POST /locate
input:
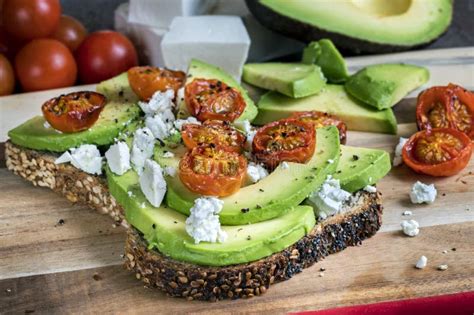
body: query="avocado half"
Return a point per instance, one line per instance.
(358, 25)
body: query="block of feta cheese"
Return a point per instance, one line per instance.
(219, 40)
(160, 13)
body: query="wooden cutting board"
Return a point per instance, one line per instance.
(75, 267)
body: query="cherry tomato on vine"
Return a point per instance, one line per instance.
(145, 81)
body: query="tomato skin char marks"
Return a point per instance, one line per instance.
(446, 107)
(321, 119)
(437, 152)
(213, 100)
(146, 81)
(74, 112)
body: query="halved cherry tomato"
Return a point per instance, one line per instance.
(216, 132)
(75, 111)
(212, 171)
(321, 119)
(145, 81)
(437, 152)
(213, 100)
(446, 107)
(290, 140)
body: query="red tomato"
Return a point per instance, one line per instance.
(104, 54)
(70, 32)
(45, 64)
(213, 100)
(9, 45)
(290, 140)
(212, 171)
(321, 119)
(7, 77)
(145, 81)
(213, 132)
(74, 112)
(29, 19)
(437, 151)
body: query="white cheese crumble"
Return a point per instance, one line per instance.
(330, 161)
(407, 213)
(142, 148)
(248, 130)
(152, 183)
(421, 263)
(168, 155)
(129, 193)
(46, 125)
(180, 94)
(203, 224)
(422, 193)
(443, 267)
(118, 158)
(328, 200)
(256, 172)
(86, 157)
(285, 165)
(160, 125)
(410, 227)
(397, 158)
(178, 124)
(170, 171)
(159, 103)
(370, 189)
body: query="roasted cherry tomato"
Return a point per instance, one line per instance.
(446, 107)
(437, 152)
(215, 132)
(321, 119)
(145, 81)
(213, 100)
(74, 112)
(212, 170)
(290, 140)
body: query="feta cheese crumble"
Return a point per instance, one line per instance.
(330, 161)
(160, 125)
(178, 123)
(86, 157)
(370, 189)
(410, 227)
(203, 224)
(256, 172)
(285, 165)
(152, 183)
(168, 155)
(248, 130)
(46, 125)
(170, 171)
(160, 102)
(407, 213)
(118, 158)
(397, 158)
(443, 267)
(329, 199)
(422, 193)
(142, 148)
(421, 263)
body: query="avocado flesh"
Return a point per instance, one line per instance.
(359, 167)
(118, 89)
(244, 244)
(333, 99)
(112, 120)
(360, 26)
(292, 79)
(269, 198)
(201, 70)
(324, 54)
(384, 85)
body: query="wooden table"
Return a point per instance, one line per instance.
(75, 267)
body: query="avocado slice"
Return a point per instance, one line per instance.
(265, 199)
(114, 118)
(200, 69)
(164, 229)
(384, 85)
(359, 26)
(324, 54)
(333, 99)
(359, 167)
(118, 89)
(292, 79)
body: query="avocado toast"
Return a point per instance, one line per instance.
(272, 229)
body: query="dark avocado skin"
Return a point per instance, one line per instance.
(307, 33)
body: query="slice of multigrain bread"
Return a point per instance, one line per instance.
(361, 220)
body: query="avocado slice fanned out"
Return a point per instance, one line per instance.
(333, 99)
(272, 196)
(360, 26)
(164, 229)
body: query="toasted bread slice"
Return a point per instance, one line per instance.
(361, 219)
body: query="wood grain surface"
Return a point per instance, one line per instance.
(75, 267)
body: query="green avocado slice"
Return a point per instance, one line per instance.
(112, 120)
(118, 89)
(292, 79)
(272, 196)
(324, 54)
(164, 229)
(200, 69)
(333, 99)
(384, 85)
(359, 167)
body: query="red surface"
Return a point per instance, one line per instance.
(455, 304)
